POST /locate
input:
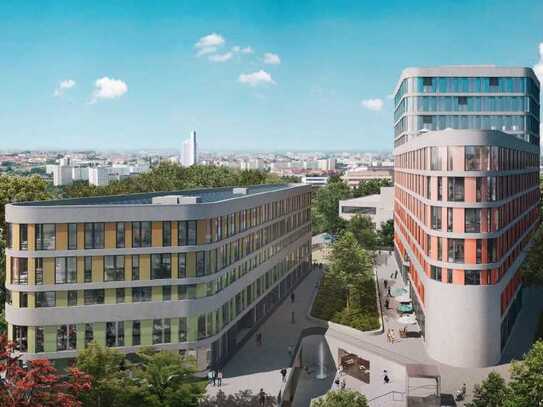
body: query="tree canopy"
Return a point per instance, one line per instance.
(341, 398)
(370, 187)
(325, 210)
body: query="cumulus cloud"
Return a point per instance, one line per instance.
(220, 57)
(63, 86)
(271, 59)
(108, 88)
(538, 68)
(372, 104)
(256, 78)
(208, 44)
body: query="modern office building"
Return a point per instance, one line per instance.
(378, 207)
(466, 202)
(189, 155)
(194, 271)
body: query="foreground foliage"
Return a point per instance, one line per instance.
(347, 290)
(244, 398)
(525, 388)
(39, 384)
(341, 398)
(154, 379)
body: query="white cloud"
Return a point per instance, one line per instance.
(256, 78)
(63, 86)
(108, 88)
(272, 59)
(220, 57)
(247, 50)
(208, 44)
(538, 68)
(372, 104)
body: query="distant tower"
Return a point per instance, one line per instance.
(189, 154)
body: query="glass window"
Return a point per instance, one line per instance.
(45, 236)
(114, 334)
(158, 331)
(141, 234)
(166, 293)
(119, 235)
(92, 297)
(166, 234)
(19, 270)
(200, 264)
(455, 250)
(191, 234)
(472, 277)
(449, 276)
(202, 327)
(141, 294)
(435, 273)
(94, 236)
(450, 219)
(72, 236)
(472, 218)
(135, 267)
(40, 339)
(455, 189)
(89, 334)
(38, 267)
(20, 337)
(113, 268)
(136, 333)
(45, 299)
(119, 295)
(183, 329)
(161, 266)
(88, 269)
(72, 298)
(436, 217)
(23, 237)
(23, 300)
(65, 270)
(182, 265)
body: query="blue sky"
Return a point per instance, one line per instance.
(132, 77)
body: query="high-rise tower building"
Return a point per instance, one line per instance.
(466, 202)
(189, 155)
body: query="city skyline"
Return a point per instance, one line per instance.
(247, 78)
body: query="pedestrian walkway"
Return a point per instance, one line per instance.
(256, 367)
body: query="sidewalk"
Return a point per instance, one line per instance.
(253, 367)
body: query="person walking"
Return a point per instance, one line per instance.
(386, 303)
(385, 283)
(342, 383)
(284, 374)
(290, 350)
(386, 378)
(261, 398)
(219, 378)
(258, 339)
(210, 377)
(388, 292)
(292, 296)
(214, 375)
(396, 275)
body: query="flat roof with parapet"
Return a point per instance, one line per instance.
(205, 195)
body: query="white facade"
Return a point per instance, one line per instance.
(62, 175)
(315, 180)
(80, 173)
(189, 155)
(99, 176)
(379, 207)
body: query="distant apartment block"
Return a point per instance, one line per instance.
(378, 207)
(466, 202)
(193, 271)
(356, 176)
(315, 180)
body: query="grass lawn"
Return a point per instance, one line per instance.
(330, 304)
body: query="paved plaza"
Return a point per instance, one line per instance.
(254, 367)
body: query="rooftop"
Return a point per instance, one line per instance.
(206, 195)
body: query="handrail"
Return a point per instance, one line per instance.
(386, 394)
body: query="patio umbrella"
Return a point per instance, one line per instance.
(397, 291)
(405, 308)
(407, 319)
(403, 298)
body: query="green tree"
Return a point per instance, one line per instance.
(532, 268)
(370, 187)
(351, 264)
(168, 380)
(386, 234)
(363, 230)
(527, 379)
(325, 210)
(492, 392)
(341, 398)
(110, 385)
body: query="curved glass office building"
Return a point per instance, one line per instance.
(466, 202)
(194, 271)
